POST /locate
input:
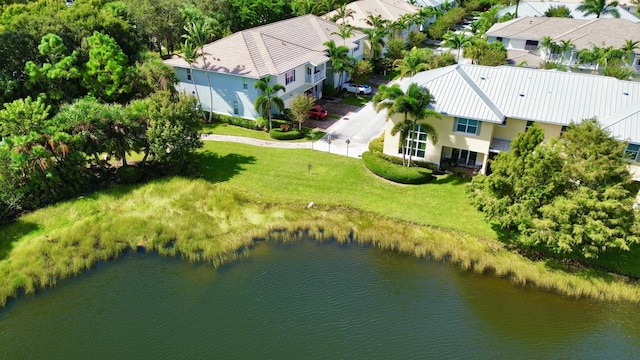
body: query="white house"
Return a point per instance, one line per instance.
(292, 51)
(483, 108)
(539, 8)
(522, 37)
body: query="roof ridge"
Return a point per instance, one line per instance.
(490, 104)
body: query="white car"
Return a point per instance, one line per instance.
(356, 89)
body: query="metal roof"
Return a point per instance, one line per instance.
(538, 8)
(271, 49)
(484, 93)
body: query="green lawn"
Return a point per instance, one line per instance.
(226, 129)
(356, 100)
(283, 175)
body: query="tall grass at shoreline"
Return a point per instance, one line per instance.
(203, 221)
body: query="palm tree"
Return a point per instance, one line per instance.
(550, 46)
(197, 32)
(629, 48)
(415, 103)
(377, 33)
(342, 13)
(269, 99)
(456, 41)
(345, 31)
(414, 61)
(190, 55)
(340, 60)
(599, 7)
(564, 46)
(303, 7)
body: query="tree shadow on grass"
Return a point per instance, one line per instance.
(11, 232)
(216, 168)
(450, 179)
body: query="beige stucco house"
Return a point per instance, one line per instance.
(483, 108)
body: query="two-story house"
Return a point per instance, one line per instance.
(291, 51)
(483, 109)
(524, 36)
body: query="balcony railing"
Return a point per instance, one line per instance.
(314, 78)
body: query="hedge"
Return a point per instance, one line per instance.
(236, 120)
(292, 134)
(396, 173)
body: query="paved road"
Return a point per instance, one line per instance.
(359, 127)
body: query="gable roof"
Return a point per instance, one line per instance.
(492, 94)
(390, 10)
(538, 8)
(271, 49)
(582, 33)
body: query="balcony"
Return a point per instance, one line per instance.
(315, 77)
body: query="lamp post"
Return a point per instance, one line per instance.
(313, 137)
(329, 141)
(348, 142)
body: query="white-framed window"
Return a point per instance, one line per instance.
(235, 107)
(188, 74)
(467, 126)
(289, 77)
(631, 152)
(416, 144)
(244, 84)
(531, 45)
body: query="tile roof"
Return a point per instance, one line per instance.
(390, 10)
(271, 49)
(538, 8)
(582, 33)
(493, 93)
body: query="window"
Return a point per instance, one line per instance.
(467, 126)
(244, 84)
(188, 74)
(357, 46)
(499, 38)
(235, 107)
(289, 77)
(531, 45)
(631, 152)
(416, 145)
(563, 130)
(529, 124)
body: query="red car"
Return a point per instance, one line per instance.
(318, 113)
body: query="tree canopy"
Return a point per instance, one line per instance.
(571, 196)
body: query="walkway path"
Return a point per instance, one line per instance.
(359, 127)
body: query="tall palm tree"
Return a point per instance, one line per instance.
(550, 46)
(456, 41)
(190, 55)
(345, 31)
(599, 7)
(377, 33)
(629, 48)
(342, 13)
(197, 32)
(340, 60)
(564, 46)
(413, 104)
(269, 98)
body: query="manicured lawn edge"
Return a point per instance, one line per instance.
(198, 221)
(396, 173)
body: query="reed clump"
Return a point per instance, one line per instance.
(202, 222)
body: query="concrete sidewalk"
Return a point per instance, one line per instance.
(359, 127)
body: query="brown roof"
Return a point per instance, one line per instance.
(271, 49)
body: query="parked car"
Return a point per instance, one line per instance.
(356, 89)
(318, 112)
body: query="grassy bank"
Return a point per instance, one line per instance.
(250, 193)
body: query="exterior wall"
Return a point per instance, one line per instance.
(227, 90)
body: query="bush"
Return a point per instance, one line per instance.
(129, 174)
(237, 121)
(396, 173)
(377, 145)
(292, 134)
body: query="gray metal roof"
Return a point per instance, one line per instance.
(484, 93)
(538, 8)
(271, 49)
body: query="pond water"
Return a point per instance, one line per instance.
(307, 300)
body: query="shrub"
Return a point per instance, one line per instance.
(396, 173)
(278, 134)
(237, 121)
(377, 144)
(129, 174)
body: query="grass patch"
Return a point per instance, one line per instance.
(218, 217)
(334, 116)
(226, 129)
(356, 100)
